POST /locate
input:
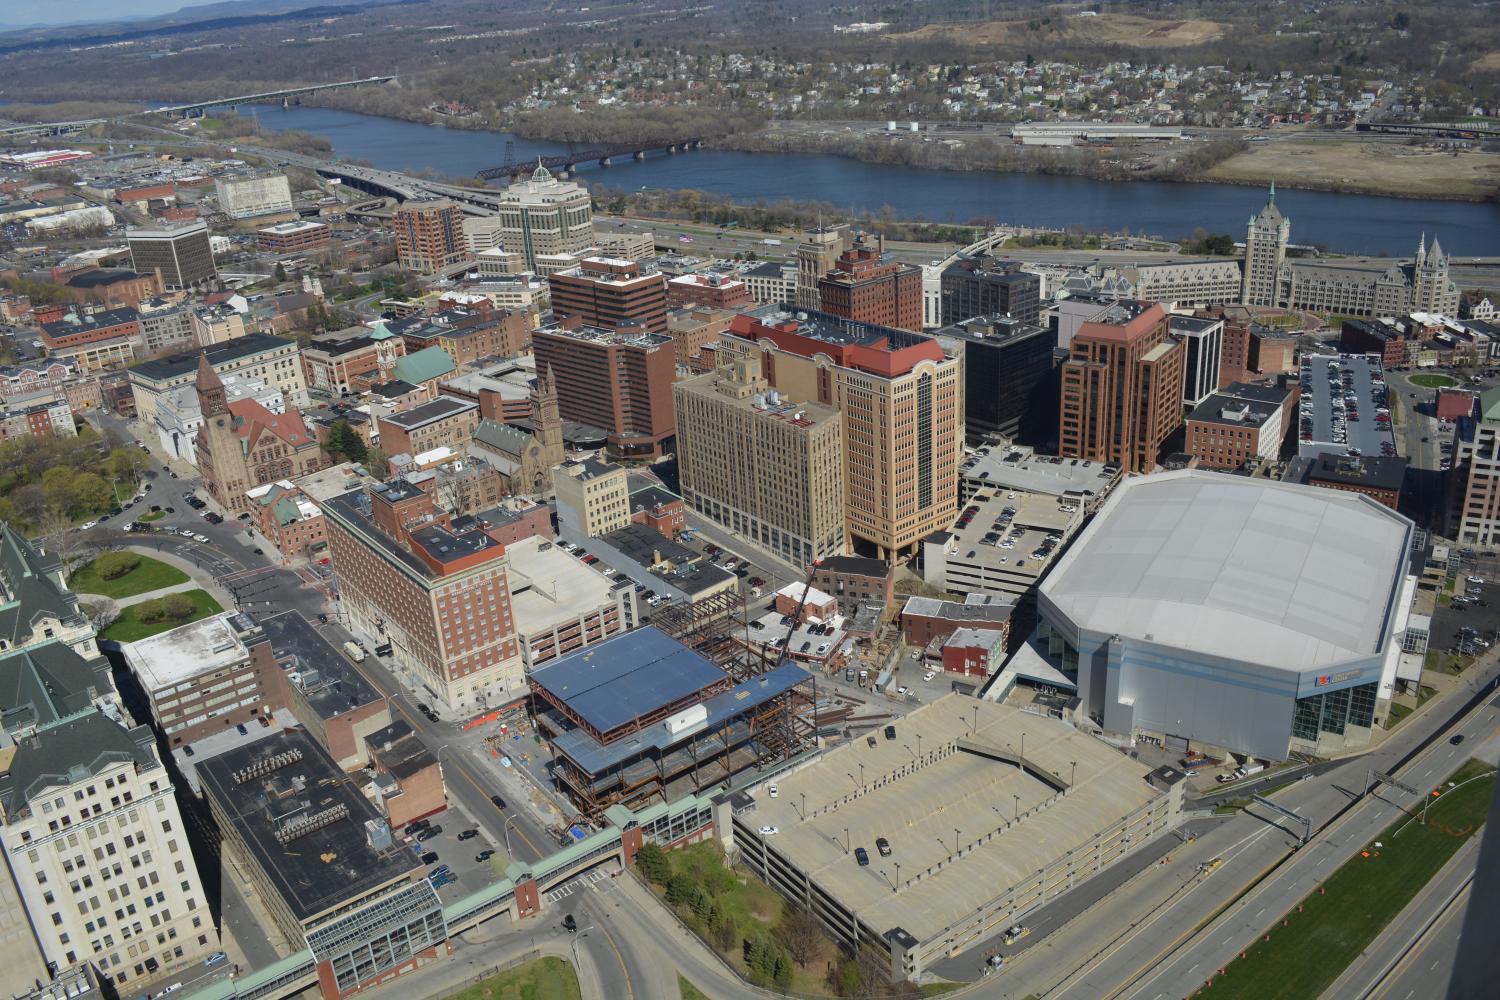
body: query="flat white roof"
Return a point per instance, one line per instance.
(185, 652)
(550, 587)
(814, 595)
(1290, 577)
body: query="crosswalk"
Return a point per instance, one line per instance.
(588, 880)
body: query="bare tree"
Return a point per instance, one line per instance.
(803, 937)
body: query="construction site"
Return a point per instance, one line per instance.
(680, 707)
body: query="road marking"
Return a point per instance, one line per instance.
(629, 988)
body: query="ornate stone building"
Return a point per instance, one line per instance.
(524, 457)
(242, 444)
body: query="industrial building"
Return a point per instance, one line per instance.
(641, 717)
(985, 812)
(1258, 617)
(1002, 542)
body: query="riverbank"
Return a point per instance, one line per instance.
(1381, 169)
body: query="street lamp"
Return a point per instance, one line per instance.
(861, 775)
(1018, 807)
(1073, 774)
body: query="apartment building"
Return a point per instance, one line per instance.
(867, 289)
(694, 329)
(612, 293)
(1475, 479)
(620, 382)
(1237, 424)
(440, 596)
(900, 397)
(442, 422)
(293, 237)
(543, 216)
(429, 235)
(771, 282)
(593, 498)
(717, 291)
(1122, 387)
(207, 676)
(215, 325)
(768, 469)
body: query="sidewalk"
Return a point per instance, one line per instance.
(187, 566)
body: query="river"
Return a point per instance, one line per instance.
(1349, 223)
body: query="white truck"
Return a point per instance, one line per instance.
(354, 651)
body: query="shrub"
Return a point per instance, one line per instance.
(178, 606)
(113, 565)
(152, 611)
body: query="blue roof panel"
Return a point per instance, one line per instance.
(626, 676)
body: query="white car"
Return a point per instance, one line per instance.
(86, 525)
(929, 675)
(1476, 579)
(772, 790)
(766, 831)
(902, 689)
(200, 538)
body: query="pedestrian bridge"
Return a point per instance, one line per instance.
(519, 895)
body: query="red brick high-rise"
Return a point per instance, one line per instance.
(617, 380)
(862, 287)
(429, 235)
(1122, 388)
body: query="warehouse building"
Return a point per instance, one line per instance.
(922, 844)
(1258, 617)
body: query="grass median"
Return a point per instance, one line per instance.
(1432, 380)
(1310, 946)
(129, 627)
(545, 979)
(149, 574)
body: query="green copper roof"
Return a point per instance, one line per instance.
(428, 363)
(1489, 404)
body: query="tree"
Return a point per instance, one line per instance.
(113, 565)
(653, 863)
(345, 442)
(800, 933)
(178, 606)
(280, 273)
(378, 464)
(151, 611)
(679, 888)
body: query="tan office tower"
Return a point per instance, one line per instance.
(1265, 252)
(1122, 388)
(817, 254)
(901, 399)
(544, 216)
(766, 468)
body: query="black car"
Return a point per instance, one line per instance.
(422, 706)
(259, 552)
(484, 855)
(322, 619)
(569, 923)
(429, 833)
(417, 826)
(1456, 739)
(890, 732)
(883, 846)
(430, 858)
(467, 834)
(498, 802)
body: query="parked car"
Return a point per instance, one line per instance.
(767, 831)
(484, 855)
(468, 834)
(883, 846)
(429, 833)
(429, 858)
(862, 856)
(772, 790)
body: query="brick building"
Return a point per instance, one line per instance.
(436, 592)
(855, 581)
(1237, 424)
(863, 287)
(1377, 477)
(974, 652)
(619, 382)
(716, 291)
(351, 359)
(442, 422)
(1122, 388)
(611, 293)
(924, 619)
(693, 329)
(429, 235)
(408, 783)
(293, 237)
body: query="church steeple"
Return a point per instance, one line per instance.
(212, 397)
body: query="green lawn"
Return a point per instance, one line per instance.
(155, 515)
(545, 979)
(129, 628)
(1432, 380)
(1362, 896)
(688, 991)
(151, 574)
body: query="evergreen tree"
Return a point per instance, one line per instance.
(653, 863)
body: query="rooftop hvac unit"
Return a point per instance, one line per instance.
(685, 720)
(377, 834)
(303, 825)
(261, 768)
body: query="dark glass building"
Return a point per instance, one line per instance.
(1008, 376)
(988, 286)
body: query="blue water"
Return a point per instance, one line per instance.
(1350, 223)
